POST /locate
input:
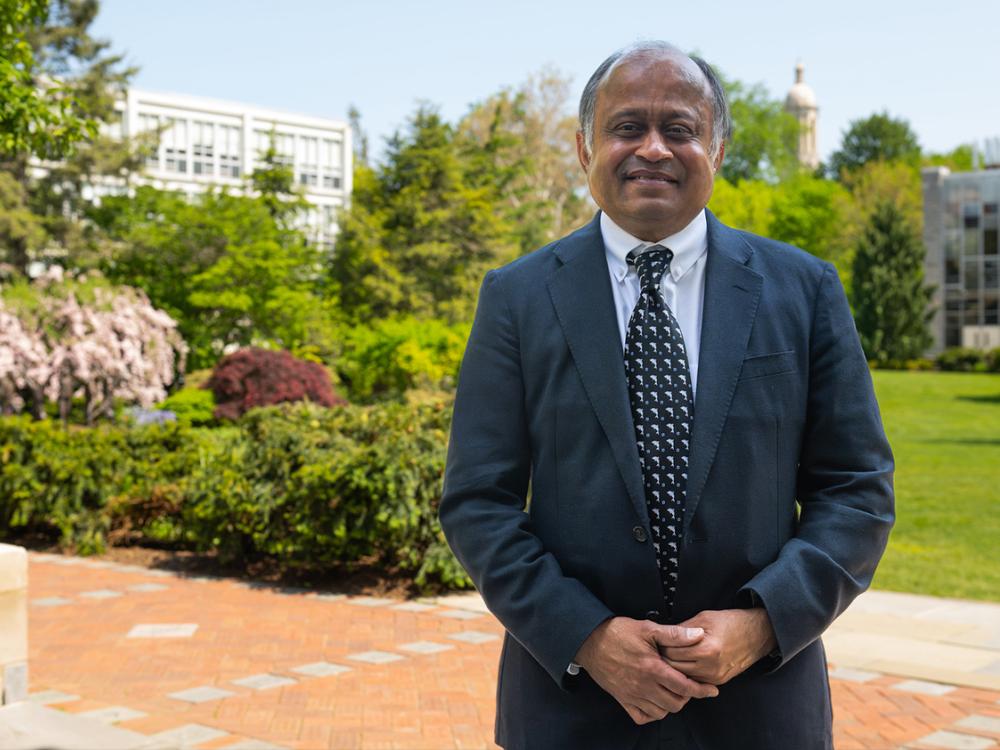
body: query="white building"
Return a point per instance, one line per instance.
(801, 103)
(210, 142)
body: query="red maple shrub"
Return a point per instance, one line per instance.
(261, 377)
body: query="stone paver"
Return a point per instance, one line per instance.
(425, 698)
(922, 686)
(165, 630)
(264, 681)
(954, 741)
(376, 657)
(425, 647)
(321, 669)
(201, 694)
(112, 714)
(101, 594)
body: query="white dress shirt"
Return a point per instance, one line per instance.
(683, 289)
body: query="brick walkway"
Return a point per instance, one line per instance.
(312, 672)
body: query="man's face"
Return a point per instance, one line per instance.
(650, 168)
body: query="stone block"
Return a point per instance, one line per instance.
(13, 623)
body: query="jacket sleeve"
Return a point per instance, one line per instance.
(844, 486)
(485, 493)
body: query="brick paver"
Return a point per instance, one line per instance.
(438, 694)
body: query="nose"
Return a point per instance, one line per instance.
(653, 147)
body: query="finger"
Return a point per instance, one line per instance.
(683, 653)
(637, 714)
(677, 682)
(675, 635)
(695, 671)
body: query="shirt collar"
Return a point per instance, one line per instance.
(687, 245)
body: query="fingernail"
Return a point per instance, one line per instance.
(693, 632)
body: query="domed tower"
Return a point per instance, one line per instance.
(801, 102)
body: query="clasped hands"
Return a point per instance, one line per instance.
(653, 670)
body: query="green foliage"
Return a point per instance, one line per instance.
(420, 232)
(959, 159)
(944, 428)
(193, 406)
(962, 359)
(878, 137)
(309, 487)
(805, 211)
(889, 297)
(765, 141)
(390, 357)
(44, 122)
(224, 266)
(992, 360)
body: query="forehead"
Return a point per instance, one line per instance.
(658, 77)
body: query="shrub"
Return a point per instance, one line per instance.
(993, 360)
(306, 486)
(961, 359)
(394, 356)
(261, 377)
(193, 406)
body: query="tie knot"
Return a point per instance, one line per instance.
(650, 265)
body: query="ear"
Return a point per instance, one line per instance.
(719, 156)
(581, 151)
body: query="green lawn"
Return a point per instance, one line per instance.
(945, 433)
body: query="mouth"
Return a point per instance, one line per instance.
(646, 177)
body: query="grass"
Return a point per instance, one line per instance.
(945, 433)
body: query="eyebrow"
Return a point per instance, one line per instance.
(641, 113)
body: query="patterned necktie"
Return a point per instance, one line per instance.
(659, 385)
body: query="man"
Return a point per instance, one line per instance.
(710, 485)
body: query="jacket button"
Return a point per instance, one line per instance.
(639, 533)
(654, 615)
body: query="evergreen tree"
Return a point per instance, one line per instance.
(421, 230)
(891, 302)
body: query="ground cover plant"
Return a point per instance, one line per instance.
(944, 428)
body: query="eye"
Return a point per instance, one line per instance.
(627, 128)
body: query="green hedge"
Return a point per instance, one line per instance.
(307, 486)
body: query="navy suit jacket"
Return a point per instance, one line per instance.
(789, 500)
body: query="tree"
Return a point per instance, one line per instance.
(37, 117)
(522, 141)
(66, 338)
(765, 138)
(223, 265)
(959, 159)
(891, 302)
(878, 137)
(421, 230)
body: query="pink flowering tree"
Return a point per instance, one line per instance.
(62, 339)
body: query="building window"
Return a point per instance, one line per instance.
(990, 274)
(203, 148)
(229, 139)
(175, 145)
(972, 276)
(991, 316)
(151, 124)
(332, 163)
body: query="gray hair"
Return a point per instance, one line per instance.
(722, 121)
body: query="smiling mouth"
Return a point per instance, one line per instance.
(647, 177)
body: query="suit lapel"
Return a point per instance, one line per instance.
(581, 294)
(732, 292)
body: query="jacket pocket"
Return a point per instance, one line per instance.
(768, 364)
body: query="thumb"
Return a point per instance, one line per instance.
(677, 635)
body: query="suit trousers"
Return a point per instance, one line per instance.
(669, 734)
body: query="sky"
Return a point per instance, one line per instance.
(934, 64)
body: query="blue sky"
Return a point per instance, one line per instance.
(935, 64)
